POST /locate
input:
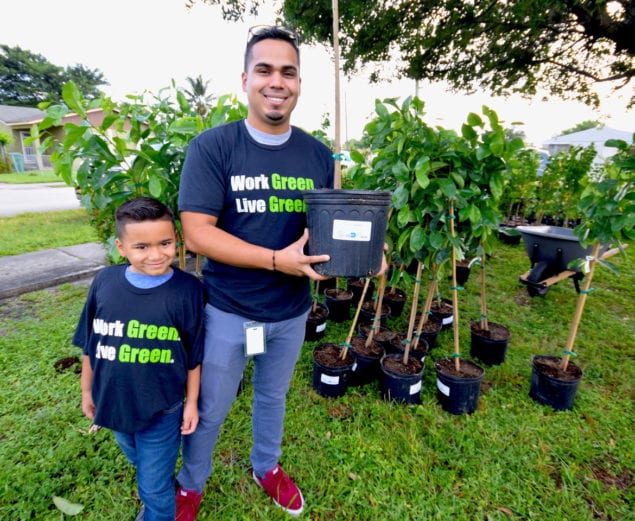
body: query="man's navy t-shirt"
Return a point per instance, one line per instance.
(255, 192)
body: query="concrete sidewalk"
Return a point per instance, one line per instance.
(44, 269)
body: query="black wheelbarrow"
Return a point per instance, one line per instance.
(551, 249)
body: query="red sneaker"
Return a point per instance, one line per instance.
(281, 488)
(187, 503)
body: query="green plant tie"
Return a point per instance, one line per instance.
(429, 312)
(416, 334)
(455, 355)
(571, 353)
(418, 281)
(339, 157)
(483, 315)
(451, 217)
(586, 291)
(458, 288)
(405, 341)
(477, 263)
(346, 344)
(373, 327)
(375, 297)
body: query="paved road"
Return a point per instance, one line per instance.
(22, 198)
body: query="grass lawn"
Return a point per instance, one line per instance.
(29, 232)
(359, 457)
(30, 176)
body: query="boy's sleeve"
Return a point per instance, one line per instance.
(81, 338)
(194, 334)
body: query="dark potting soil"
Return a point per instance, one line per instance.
(318, 314)
(495, 331)
(551, 367)
(432, 325)
(375, 349)
(466, 368)
(383, 335)
(339, 294)
(440, 306)
(396, 365)
(369, 308)
(330, 355)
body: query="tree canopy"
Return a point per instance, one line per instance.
(27, 79)
(563, 46)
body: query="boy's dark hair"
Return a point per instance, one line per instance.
(259, 33)
(141, 209)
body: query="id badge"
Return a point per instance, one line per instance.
(254, 338)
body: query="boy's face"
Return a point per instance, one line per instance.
(272, 84)
(149, 246)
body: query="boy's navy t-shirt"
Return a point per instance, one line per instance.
(141, 344)
(255, 192)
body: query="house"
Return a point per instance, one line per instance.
(593, 136)
(18, 122)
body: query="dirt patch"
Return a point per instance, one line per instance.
(69, 362)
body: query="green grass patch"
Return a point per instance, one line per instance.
(359, 457)
(29, 232)
(30, 176)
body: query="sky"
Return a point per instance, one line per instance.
(144, 45)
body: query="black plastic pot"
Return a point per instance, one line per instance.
(458, 394)
(339, 303)
(332, 381)
(349, 226)
(395, 298)
(446, 317)
(488, 350)
(549, 390)
(356, 286)
(367, 314)
(462, 274)
(316, 323)
(403, 388)
(366, 368)
(431, 334)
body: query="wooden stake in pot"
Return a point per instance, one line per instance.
(455, 296)
(413, 313)
(378, 305)
(579, 308)
(352, 329)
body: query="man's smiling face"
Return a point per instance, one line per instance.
(272, 84)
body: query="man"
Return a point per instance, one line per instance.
(241, 206)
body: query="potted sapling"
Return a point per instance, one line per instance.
(608, 210)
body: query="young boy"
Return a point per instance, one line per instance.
(142, 334)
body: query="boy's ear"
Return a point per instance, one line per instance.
(120, 249)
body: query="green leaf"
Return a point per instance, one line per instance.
(474, 120)
(155, 186)
(73, 98)
(357, 157)
(468, 132)
(65, 506)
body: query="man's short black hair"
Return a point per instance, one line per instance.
(259, 33)
(141, 209)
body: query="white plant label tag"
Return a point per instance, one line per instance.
(329, 380)
(445, 390)
(352, 230)
(320, 328)
(447, 320)
(415, 388)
